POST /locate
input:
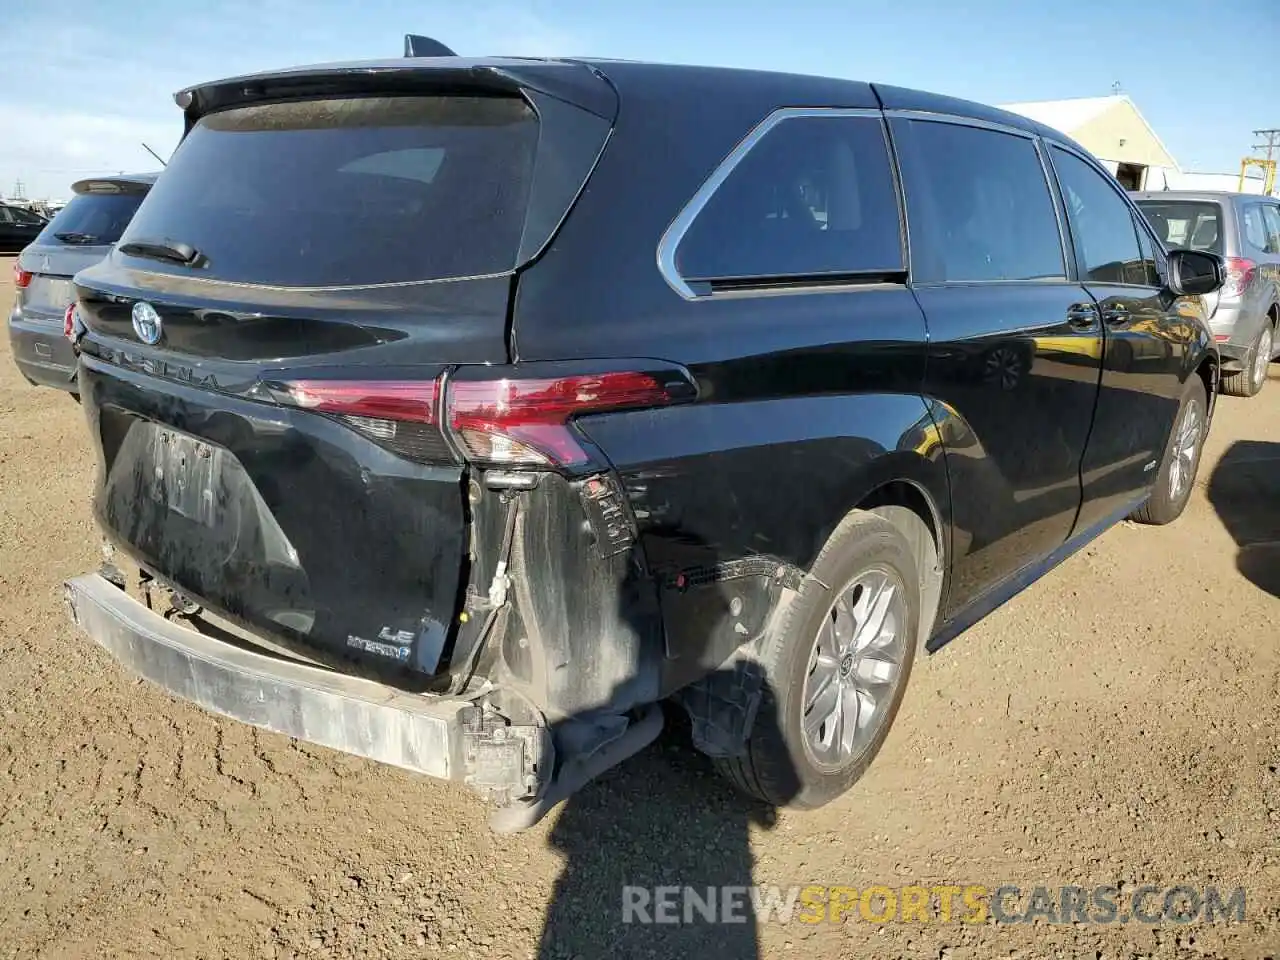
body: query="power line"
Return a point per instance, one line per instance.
(1272, 138)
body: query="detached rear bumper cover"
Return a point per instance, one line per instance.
(346, 713)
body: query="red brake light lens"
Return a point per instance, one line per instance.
(1239, 274)
(399, 415)
(69, 322)
(527, 422)
(21, 278)
(509, 422)
(411, 400)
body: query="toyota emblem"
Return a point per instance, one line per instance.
(146, 322)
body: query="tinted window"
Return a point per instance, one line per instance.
(1255, 231)
(1185, 224)
(350, 192)
(27, 217)
(1145, 270)
(814, 196)
(1100, 220)
(1271, 219)
(92, 218)
(978, 204)
(5, 215)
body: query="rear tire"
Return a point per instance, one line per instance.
(864, 576)
(1177, 476)
(1250, 381)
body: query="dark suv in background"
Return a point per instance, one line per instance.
(18, 227)
(78, 236)
(1244, 315)
(457, 412)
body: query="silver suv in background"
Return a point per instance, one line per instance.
(1245, 313)
(79, 236)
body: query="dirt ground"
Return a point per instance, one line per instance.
(1116, 723)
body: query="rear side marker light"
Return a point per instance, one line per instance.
(21, 278)
(527, 422)
(1222, 337)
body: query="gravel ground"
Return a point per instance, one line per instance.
(1116, 723)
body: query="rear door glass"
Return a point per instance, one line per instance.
(1255, 230)
(978, 205)
(1271, 220)
(349, 192)
(92, 218)
(814, 196)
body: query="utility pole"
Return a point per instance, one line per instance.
(18, 190)
(1272, 138)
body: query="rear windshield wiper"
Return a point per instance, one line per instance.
(78, 238)
(166, 250)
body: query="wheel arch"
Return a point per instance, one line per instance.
(909, 490)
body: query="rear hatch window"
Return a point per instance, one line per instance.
(1186, 224)
(349, 192)
(91, 219)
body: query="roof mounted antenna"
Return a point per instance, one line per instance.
(154, 154)
(419, 46)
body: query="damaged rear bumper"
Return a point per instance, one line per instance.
(443, 737)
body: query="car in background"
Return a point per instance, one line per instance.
(1244, 315)
(18, 227)
(79, 236)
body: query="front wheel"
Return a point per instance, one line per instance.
(835, 669)
(1177, 474)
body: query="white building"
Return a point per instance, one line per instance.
(1114, 131)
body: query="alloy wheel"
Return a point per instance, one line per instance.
(1186, 450)
(855, 668)
(1263, 358)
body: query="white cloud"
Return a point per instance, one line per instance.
(49, 150)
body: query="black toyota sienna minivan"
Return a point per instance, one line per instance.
(458, 413)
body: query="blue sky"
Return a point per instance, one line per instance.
(96, 76)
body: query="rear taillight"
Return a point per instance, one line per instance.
(410, 400)
(508, 422)
(1238, 275)
(69, 322)
(21, 278)
(398, 414)
(527, 422)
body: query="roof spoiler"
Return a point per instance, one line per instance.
(419, 46)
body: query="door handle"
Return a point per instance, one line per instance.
(1116, 315)
(1082, 315)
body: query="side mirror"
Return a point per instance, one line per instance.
(1194, 272)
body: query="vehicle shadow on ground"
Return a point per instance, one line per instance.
(1245, 491)
(664, 818)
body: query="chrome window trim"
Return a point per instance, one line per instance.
(675, 232)
(930, 116)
